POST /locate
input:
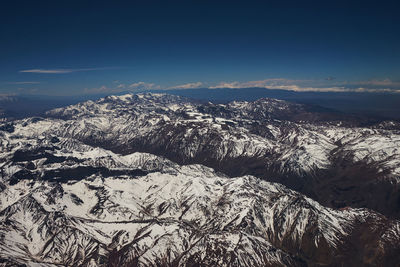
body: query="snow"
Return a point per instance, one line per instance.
(173, 202)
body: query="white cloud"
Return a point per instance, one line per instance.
(375, 90)
(23, 82)
(122, 87)
(188, 86)
(60, 71)
(267, 83)
(384, 86)
(143, 86)
(384, 83)
(139, 86)
(304, 86)
(7, 96)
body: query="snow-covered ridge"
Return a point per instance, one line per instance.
(243, 128)
(117, 181)
(189, 206)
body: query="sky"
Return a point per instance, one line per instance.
(88, 47)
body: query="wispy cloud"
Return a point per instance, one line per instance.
(188, 86)
(312, 86)
(317, 85)
(120, 87)
(7, 96)
(144, 86)
(29, 82)
(384, 82)
(267, 83)
(62, 71)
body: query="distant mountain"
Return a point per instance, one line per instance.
(377, 106)
(384, 105)
(21, 106)
(161, 180)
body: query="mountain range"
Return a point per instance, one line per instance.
(163, 180)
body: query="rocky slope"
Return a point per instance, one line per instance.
(335, 161)
(117, 183)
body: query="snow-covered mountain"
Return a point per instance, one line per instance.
(331, 158)
(159, 180)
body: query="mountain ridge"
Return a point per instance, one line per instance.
(126, 181)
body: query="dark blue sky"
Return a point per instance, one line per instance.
(74, 47)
